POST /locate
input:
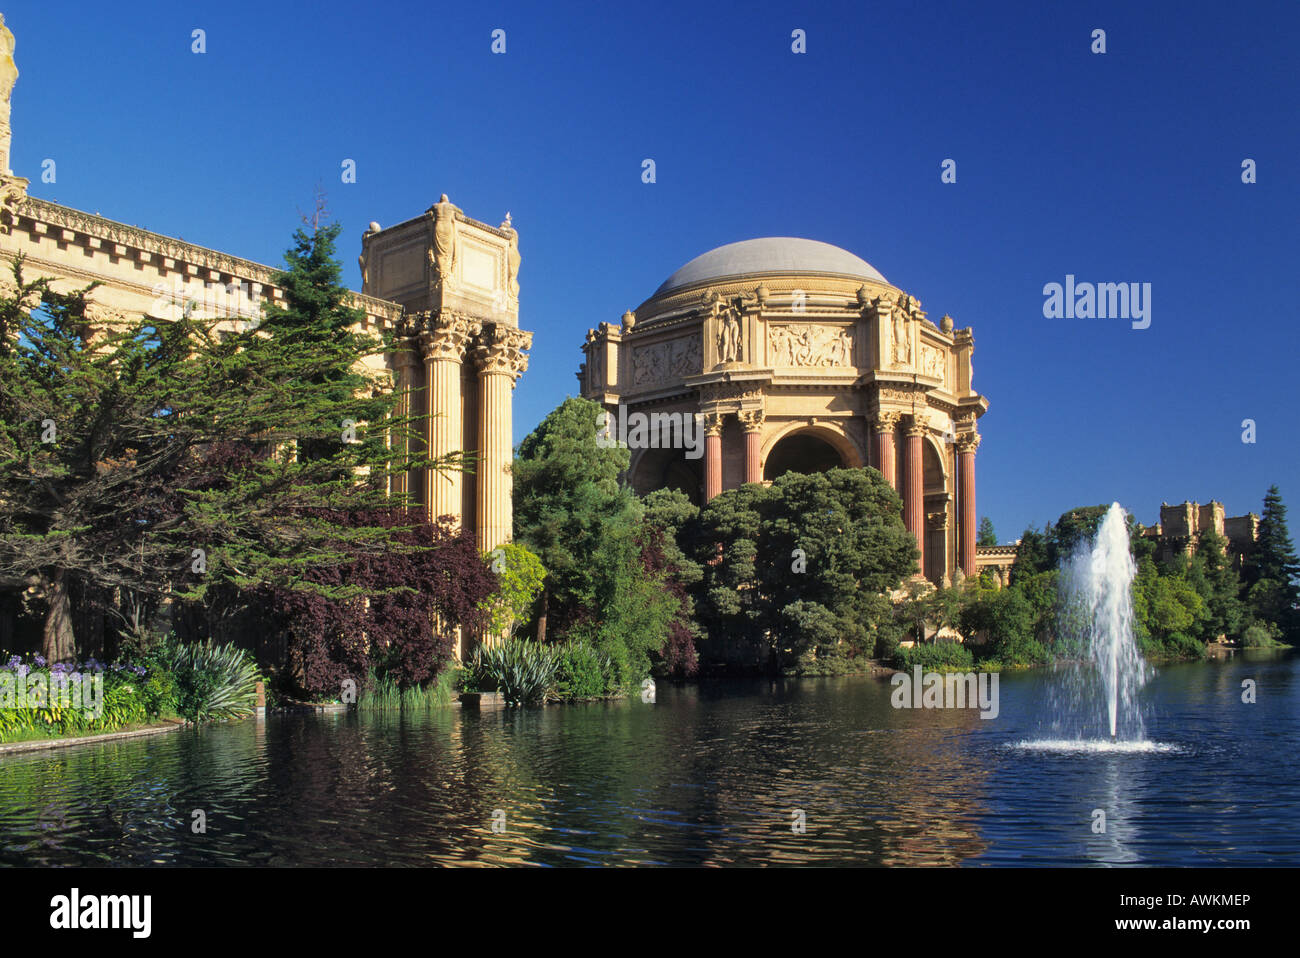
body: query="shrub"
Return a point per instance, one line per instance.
(523, 672)
(214, 681)
(936, 657)
(582, 672)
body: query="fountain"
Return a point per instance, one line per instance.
(1097, 708)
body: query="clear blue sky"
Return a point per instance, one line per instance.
(1117, 167)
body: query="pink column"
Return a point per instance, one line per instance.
(914, 491)
(966, 447)
(886, 423)
(712, 456)
(753, 425)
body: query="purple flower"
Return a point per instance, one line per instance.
(59, 667)
(39, 660)
(14, 662)
(23, 670)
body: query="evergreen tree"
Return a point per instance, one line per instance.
(157, 459)
(987, 536)
(1271, 572)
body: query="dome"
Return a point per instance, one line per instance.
(768, 256)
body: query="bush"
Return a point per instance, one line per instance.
(523, 672)
(582, 672)
(936, 657)
(214, 681)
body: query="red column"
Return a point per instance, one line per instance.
(753, 424)
(914, 490)
(712, 456)
(966, 447)
(886, 423)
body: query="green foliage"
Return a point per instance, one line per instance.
(796, 572)
(1272, 570)
(603, 583)
(986, 535)
(214, 681)
(582, 672)
(524, 672)
(519, 582)
(935, 657)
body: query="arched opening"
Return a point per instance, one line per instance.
(801, 452)
(668, 469)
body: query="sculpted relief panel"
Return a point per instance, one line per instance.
(668, 360)
(932, 363)
(810, 344)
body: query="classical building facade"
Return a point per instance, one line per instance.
(1180, 527)
(445, 283)
(800, 356)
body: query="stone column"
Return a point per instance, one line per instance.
(442, 345)
(501, 357)
(712, 456)
(914, 488)
(752, 423)
(404, 363)
(885, 425)
(966, 446)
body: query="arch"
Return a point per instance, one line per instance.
(805, 450)
(831, 433)
(653, 469)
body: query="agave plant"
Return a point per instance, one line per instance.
(522, 671)
(217, 681)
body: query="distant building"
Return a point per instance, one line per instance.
(1179, 529)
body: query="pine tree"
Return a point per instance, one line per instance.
(160, 459)
(1272, 570)
(987, 536)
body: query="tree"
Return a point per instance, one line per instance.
(987, 536)
(604, 583)
(1272, 569)
(155, 459)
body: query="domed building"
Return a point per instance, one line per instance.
(796, 355)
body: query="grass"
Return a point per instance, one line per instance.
(38, 735)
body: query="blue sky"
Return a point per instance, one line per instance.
(1122, 167)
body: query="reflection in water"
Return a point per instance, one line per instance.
(714, 774)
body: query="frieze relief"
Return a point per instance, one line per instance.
(810, 345)
(931, 361)
(658, 362)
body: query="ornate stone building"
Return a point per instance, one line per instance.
(446, 283)
(800, 356)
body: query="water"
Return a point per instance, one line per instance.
(1096, 584)
(708, 775)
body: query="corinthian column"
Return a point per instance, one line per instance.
(885, 425)
(501, 357)
(752, 423)
(443, 347)
(712, 456)
(404, 363)
(914, 488)
(966, 446)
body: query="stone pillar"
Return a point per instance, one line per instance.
(712, 456)
(501, 357)
(885, 424)
(404, 363)
(914, 488)
(752, 423)
(442, 345)
(966, 446)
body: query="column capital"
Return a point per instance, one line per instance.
(446, 337)
(751, 420)
(713, 424)
(968, 442)
(917, 427)
(886, 420)
(502, 351)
